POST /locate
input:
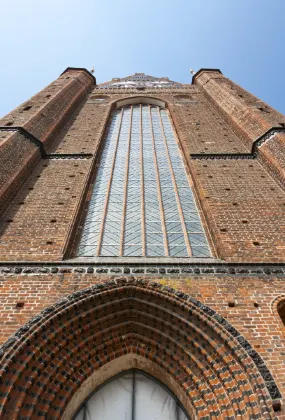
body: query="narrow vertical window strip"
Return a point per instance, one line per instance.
(112, 229)
(109, 186)
(134, 397)
(175, 188)
(91, 231)
(197, 238)
(158, 188)
(142, 187)
(133, 223)
(153, 223)
(126, 185)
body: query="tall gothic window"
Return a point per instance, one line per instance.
(142, 203)
(132, 396)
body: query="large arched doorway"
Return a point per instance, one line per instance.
(51, 365)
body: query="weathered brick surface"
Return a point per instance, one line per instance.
(242, 204)
(202, 128)
(249, 116)
(36, 226)
(239, 199)
(252, 316)
(43, 116)
(272, 155)
(17, 159)
(238, 196)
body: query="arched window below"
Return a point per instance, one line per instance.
(281, 311)
(142, 203)
(132, 395)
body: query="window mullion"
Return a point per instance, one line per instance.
(159, 189)
(85, 411)
(175, 188)
(142, 187)
(109, 187)
(134, 396)
(126, 186)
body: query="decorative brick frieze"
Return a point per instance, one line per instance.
(173, 269)
(58, 156)
(208, 359)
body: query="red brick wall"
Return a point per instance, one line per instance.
(254, 312)
(43, 116)
(238, 197)
(239, 107)
(242, 200)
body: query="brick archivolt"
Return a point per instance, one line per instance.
(49, 359)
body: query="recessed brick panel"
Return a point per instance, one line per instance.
(38, 221)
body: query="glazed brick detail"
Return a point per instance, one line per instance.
(92, 327)
(258, 324)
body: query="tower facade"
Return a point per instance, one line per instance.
(142, 251)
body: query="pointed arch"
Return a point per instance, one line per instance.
(148, 100)
(126, 394)
(142, 204)
(210, 364)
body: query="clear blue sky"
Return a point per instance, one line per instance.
(243, 38)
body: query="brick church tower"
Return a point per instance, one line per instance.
(142, 250)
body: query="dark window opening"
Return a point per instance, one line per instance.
(281, 311)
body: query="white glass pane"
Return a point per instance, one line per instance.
(181, 415)
(80, 415)
(152, 402)
(131, 396)
(112, 401)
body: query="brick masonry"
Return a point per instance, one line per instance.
(242, 202)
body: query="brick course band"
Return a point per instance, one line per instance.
(39, 144)
(46, 361)
(59, 156)
(252, 155)
(155, 268)
(28, 136)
